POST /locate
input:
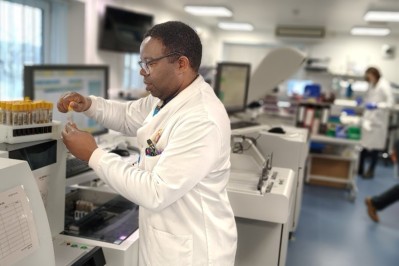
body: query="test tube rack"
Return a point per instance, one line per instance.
(17, 134)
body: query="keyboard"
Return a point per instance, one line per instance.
(75, 166)
(242, 124)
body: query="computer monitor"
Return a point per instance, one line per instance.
(231, 85)
(49, 82)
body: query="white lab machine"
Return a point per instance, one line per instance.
(118, 232)
(112, 225)
(262, 198)
(22, 212)
(45, 174)
(290, 150)
(265, 211)
(46, 159)
(275, 67)
(24, 224)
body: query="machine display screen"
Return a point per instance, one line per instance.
(231, 85)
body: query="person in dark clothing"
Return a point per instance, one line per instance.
(373, 155)
(380, 202)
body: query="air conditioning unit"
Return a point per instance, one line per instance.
(300, 31)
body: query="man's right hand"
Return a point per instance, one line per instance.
(73, 100)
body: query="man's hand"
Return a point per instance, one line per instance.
(80, 143)
(73, 100)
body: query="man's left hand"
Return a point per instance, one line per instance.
(80, 143)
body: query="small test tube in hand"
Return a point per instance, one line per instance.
(70, 113)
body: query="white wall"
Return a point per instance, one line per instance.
(76, 33)
(345, 52)
(352, 55)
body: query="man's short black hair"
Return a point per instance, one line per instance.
(179, 37)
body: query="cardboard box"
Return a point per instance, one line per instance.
(330, 167)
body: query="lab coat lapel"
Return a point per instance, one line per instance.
(159, 121)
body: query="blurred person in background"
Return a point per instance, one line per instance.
(375, 120)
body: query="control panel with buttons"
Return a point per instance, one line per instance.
(67, 253)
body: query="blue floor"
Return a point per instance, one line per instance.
(333, 231)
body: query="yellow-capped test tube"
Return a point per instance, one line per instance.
(50, 112)
(2, 112)
(29, 106)
(70, 113)
(35, 113)
(8, 113)
(15, 107)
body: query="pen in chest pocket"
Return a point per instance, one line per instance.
(151, 150)
(156, 136)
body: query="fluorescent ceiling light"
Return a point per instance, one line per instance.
(370, 31)
(235, 26)
(209, 11)
(392, 16)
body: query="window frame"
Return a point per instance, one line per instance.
(44, 6)
(131, 70)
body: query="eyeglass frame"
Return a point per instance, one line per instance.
(145, 65)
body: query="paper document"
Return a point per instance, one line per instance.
(18, 236)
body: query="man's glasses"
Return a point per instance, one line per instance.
(145, 65)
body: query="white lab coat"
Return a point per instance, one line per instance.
(375, 122)
(185, 215)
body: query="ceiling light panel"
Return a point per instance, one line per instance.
(209, 11)
(238, 26)
(386, 16)
(368, 31)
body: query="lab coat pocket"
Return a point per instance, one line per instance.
(169, 249)
(150, 162)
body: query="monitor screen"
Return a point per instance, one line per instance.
(50, 82)
(123, 30)
(231, 85)
(296, 87)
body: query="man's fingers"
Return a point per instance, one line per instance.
(63, 133)
(69, 100)
(61, 107)
(70, 127)
(72, 124)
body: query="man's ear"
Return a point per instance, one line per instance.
(184, 64)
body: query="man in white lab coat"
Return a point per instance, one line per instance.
(183, 133)
(375, 120)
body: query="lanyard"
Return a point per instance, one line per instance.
(156, 110)
(158, 107)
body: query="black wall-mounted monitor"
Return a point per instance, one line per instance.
(49, 82)
(231, 85)
(123, 30)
